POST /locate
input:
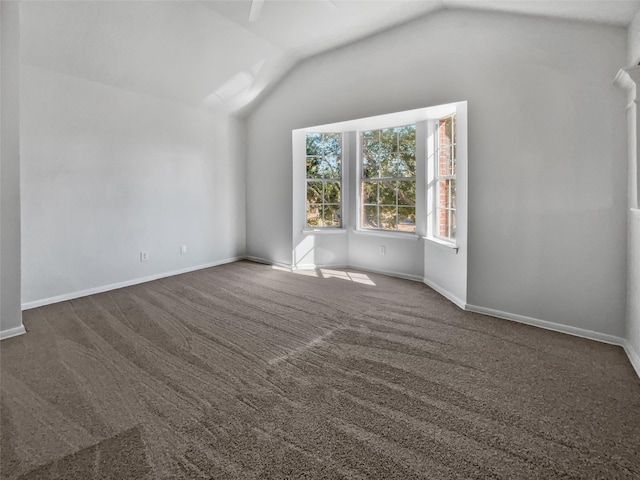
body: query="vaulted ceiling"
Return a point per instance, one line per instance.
(210, 53)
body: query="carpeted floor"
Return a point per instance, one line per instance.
(246, 371)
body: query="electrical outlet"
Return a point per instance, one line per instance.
(144, 256)
(383, 250)
(183, 249)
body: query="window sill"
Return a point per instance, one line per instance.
(452, 247)
(385, 234)
(323, 231)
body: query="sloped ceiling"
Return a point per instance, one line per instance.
(209, 53)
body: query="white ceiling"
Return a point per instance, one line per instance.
(209, 53)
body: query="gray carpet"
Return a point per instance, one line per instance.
(245, 371)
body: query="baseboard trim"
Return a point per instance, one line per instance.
(634, 358)
(445, 293)
(313, 266)
(556, 327)
(127, 283)
(309, 266)
(264, 261)
(12, 332)
(403, 276)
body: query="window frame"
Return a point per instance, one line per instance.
(438, 178)
(325, 180)
(361, 180)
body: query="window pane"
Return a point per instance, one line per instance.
(371, 154)
(452, 161)
(407, 140)
(389, 141)
(406, 192)
(324, 155)
(313, 167)
(446, 145)
(314, 213)
(369, 217)
(387, 193)
(385, 165)
(405, 165)
(332, 216)
(454, 129)
(388, 218)
(453, 224)
(391, 166)
(369, 192)
(444, 131)
(332, 144)
(332, 192)
(444, 160)
(370, 165)
(369, 139)
(314, 192)
(443, 194)
(389, 152)
(314, 144)
(331, 167)
(407, 219)
(452, 192)
(443, 222)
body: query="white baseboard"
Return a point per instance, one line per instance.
(556, 327)
(313, 266)
(12, 332)
(634, 357)
(390, 273)
(264, 261)
(445, 293)
(127, 283)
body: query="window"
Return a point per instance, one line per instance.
(324, 180)
(388, 179)
(445, 177)
(400, 176)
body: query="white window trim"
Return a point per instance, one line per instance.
(437, 178)
(359, 179)
(441, 243)
(432, 186)
(307, 230)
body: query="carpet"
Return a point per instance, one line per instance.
(245, 371)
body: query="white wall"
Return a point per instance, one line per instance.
(633, 288)
(107, 173)
(546, 152)
(445, 269)
(633, 306)
(547, 178)
(10, 313)
(633, 42)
